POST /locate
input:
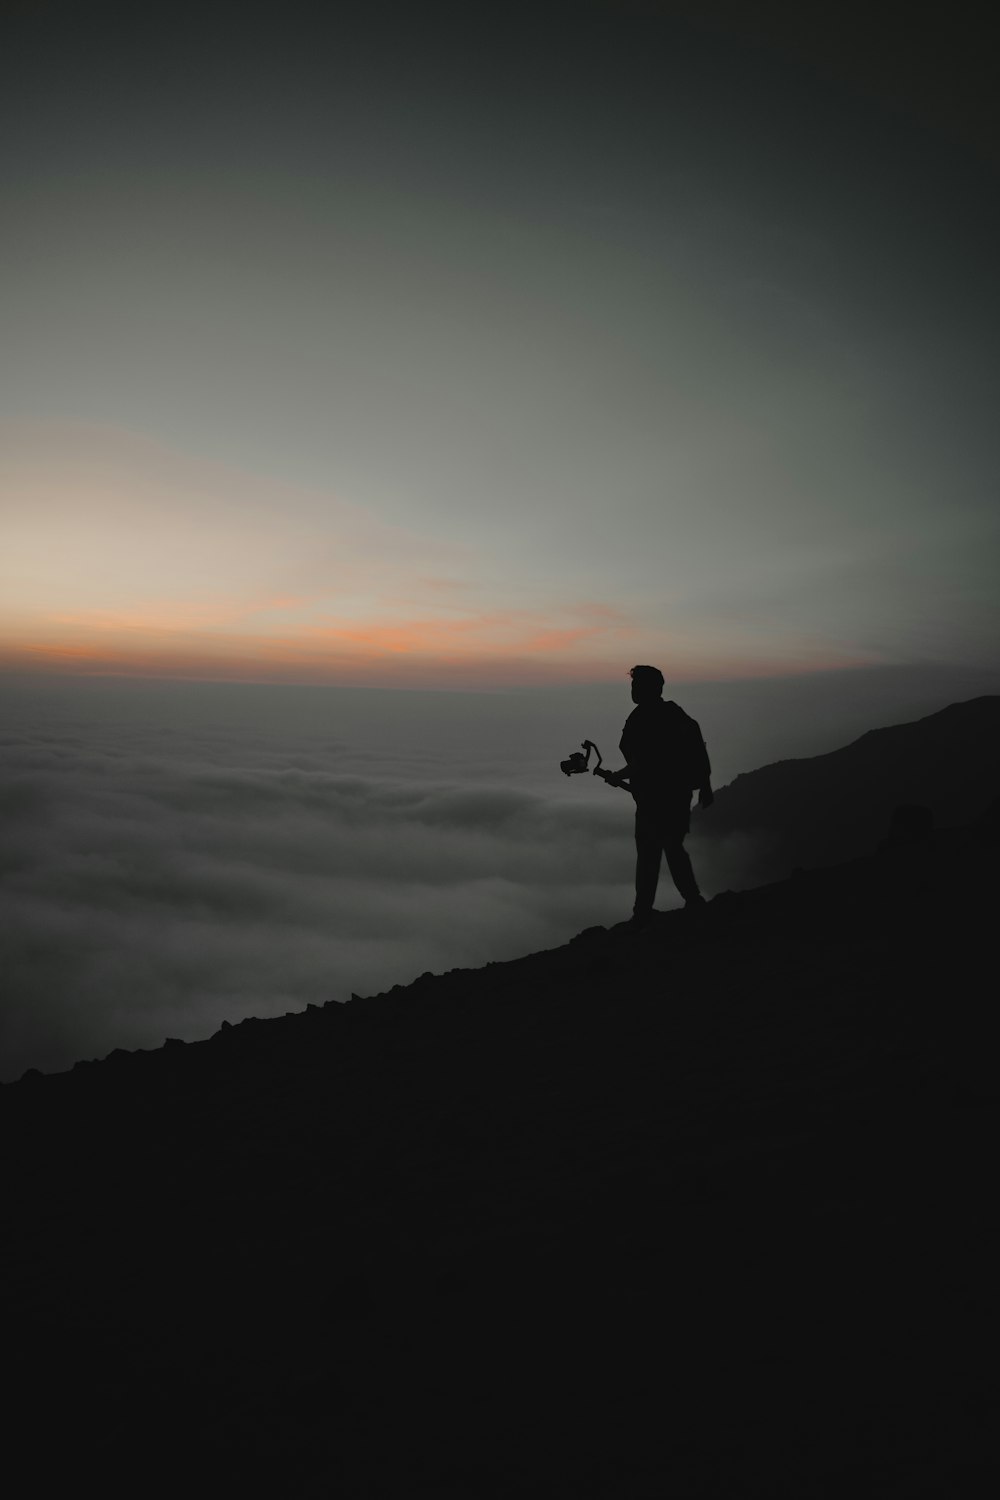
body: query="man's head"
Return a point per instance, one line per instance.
(647, 684)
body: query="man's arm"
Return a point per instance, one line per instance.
(703, 769)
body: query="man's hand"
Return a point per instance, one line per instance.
(705, 796)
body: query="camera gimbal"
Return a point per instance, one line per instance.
(577, 763)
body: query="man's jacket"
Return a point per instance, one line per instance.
(664, 750)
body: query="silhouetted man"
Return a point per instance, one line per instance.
(666, 761)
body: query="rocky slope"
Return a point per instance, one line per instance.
(695, 1213)
(821, 810)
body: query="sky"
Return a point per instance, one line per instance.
(437, 346)
(379, 384)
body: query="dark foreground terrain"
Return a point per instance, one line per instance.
(691, 1213)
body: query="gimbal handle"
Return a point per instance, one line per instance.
(589, 745)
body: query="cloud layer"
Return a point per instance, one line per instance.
(155, 892)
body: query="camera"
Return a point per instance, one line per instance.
(574, 764)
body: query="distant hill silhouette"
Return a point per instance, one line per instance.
(697, 1213)
(828, 808)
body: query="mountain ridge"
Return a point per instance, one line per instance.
(819, 810)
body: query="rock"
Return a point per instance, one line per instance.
(588, 934)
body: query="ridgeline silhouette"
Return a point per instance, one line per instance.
(698, 1212)
(821, 810)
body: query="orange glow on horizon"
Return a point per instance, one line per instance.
(499, 650)
(124, 556)
(283, 632)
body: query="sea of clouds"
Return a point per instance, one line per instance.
(170, 866)
(173, 855)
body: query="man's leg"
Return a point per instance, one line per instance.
(681, 870)
(648, 849)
